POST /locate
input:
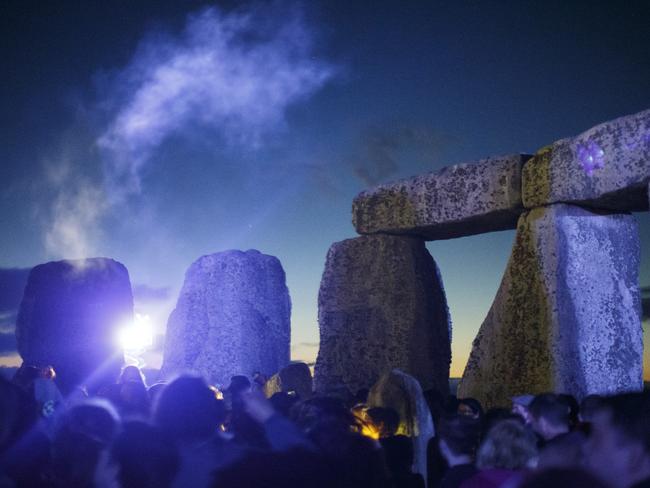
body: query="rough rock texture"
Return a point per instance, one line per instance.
(566, 317)
(403, 393)
(381, 306)
(296, 377)
(606, 167)
(459, 200)
(69, 317)
(232, 317)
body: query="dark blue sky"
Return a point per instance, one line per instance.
(118, 139)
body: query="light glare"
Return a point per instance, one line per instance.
(138, 335)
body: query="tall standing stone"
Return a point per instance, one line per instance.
(566, 317)
(232, 317)
(381, 306)
(69, 318)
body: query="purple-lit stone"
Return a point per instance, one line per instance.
(381, 306)
(232, 318)
(69, 317)
(606, 167)
(591, 156)
(566, 317)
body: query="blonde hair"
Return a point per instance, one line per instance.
(508, 445)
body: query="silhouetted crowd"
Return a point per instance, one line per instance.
(186, 433)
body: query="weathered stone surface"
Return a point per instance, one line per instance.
(606, 167)
(403, 393)
(295, 377)
(566, 317)
(381, 306)
(459, 200)
(69, 317)
(232, 317)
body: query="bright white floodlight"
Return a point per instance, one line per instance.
(138, 335)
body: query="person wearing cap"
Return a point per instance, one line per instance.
(549, 416)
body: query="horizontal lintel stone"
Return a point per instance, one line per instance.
(459, 200)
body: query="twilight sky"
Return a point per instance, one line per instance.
(154, 132)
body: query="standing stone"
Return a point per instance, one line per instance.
(606, 167)
(69, 318)
(381, 306)
(403, 393)
(459, 200)
(566, 317)
(232, 318)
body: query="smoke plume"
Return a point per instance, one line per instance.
(234, 74)
(230, 76)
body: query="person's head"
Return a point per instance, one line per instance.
(470, 407)
(259, 379)
(82, 434)
(144, 457)
(131, 373)
(588, 407)
(521, 405)
(618, 449)
(496, 415)
(238, 384)
(133, 399)
(549, 415)
(188, 410)
(458, 438)
(282, 402)
(508, 445)
(93, 417)
(154, 392)
(309, 413)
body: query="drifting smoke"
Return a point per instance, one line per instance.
(233, 75)
(75, 219)
(79, 200)
(381, 149)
